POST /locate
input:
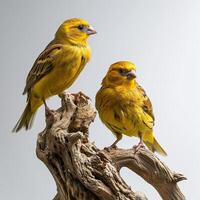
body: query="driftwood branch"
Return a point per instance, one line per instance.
(83, 172)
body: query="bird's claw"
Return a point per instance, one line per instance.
(62, 95)
(138, 146)
(78, 95)
(82, 94)
(49, 112)
(113, 146)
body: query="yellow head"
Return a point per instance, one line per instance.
(74, 31)
(120, 73)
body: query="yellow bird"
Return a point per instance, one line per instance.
(57, 67)
(124, 107)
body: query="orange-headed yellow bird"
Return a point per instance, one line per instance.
(57, 67)
(124, 107)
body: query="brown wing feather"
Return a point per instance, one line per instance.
(42, 66)
(147, 106)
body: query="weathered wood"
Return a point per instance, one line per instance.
(83, 172)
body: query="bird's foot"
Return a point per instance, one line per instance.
(138, 146)
(62, 95)
(49, 112)
(82, 94)
(113, 146)
(78, 95)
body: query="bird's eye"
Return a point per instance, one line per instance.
(122, 71)
(80, 27)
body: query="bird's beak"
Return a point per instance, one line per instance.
(90, 30)
(131, 75)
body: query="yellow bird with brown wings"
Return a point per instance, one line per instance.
(124, 107)
(57, 67)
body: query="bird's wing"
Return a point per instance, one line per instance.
(42, 66)
(147, 106)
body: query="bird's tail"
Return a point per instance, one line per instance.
(155, 147)
(26, 119)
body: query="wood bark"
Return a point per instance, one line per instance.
(84, 172)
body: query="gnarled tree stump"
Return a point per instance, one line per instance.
(83, 172)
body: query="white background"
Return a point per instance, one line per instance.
(161, 37)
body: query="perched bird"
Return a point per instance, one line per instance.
(57, 67)
(124, 107)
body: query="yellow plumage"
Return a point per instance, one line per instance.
(57, 67)
(124, 107)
